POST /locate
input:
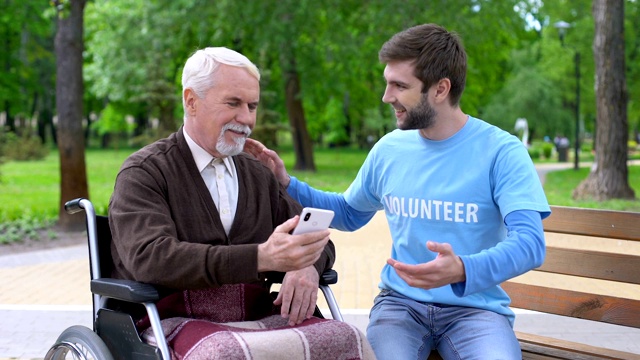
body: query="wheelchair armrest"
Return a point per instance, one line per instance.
(126, 290)
(329, 277)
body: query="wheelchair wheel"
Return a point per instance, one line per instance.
(79, 343)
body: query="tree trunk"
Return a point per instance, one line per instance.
(45, 122)
(7, 52)
(166, 119)
(295, 109)
(141, 120)
(69, 45)
(301, 141)
(10, 123)
(609, 177)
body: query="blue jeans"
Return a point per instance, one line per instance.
(402, 328)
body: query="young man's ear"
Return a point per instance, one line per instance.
(442, 90)
(190, 103)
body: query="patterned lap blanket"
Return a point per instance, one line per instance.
(240, 322)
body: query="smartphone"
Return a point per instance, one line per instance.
(312, 219)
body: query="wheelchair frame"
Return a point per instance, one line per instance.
(114, 330)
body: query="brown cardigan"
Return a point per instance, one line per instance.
(166, 228)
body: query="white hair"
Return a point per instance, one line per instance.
(198, 69)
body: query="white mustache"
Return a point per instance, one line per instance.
(244, 129)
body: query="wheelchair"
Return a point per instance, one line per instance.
(114, 334)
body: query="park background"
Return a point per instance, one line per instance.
(86, 83)
(83, 84)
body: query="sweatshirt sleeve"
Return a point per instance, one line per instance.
(522, 250)
(346, 217)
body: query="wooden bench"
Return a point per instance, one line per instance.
(578, 264)
(607, 306)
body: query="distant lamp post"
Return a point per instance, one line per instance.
(562, 27)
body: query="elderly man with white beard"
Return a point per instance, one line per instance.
(192, 212)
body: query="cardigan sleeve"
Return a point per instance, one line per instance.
(146, 245)
(166, 229)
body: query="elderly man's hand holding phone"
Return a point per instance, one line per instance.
(295, 254)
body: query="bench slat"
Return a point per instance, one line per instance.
(623, 268)
(592, 264)
(542, 347)
(576, 304)
(622, 225)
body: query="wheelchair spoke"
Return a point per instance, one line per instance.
(79, 343)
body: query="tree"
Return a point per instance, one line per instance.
(69, 45)
(632, 46)
(133, 62)
(540, 101)
(608, 179)
(280, 32)
(26, 64)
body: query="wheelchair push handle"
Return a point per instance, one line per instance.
(74, 206)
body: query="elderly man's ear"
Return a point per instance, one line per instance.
(190, 101)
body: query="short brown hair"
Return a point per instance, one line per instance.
(436, 53)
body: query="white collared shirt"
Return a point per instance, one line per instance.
(205, 163)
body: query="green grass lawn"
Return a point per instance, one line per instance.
(336, 168)
(31, 189)
(559, 186)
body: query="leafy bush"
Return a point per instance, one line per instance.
(534, 153)
(547, 150)
(113, 121)
(27, 227)
(22, 148)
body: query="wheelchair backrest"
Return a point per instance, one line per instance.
(104, 246)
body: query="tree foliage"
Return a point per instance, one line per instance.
(134, 52)
(541, 83)
(331, 45)
(27, 62)
(632, 51)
